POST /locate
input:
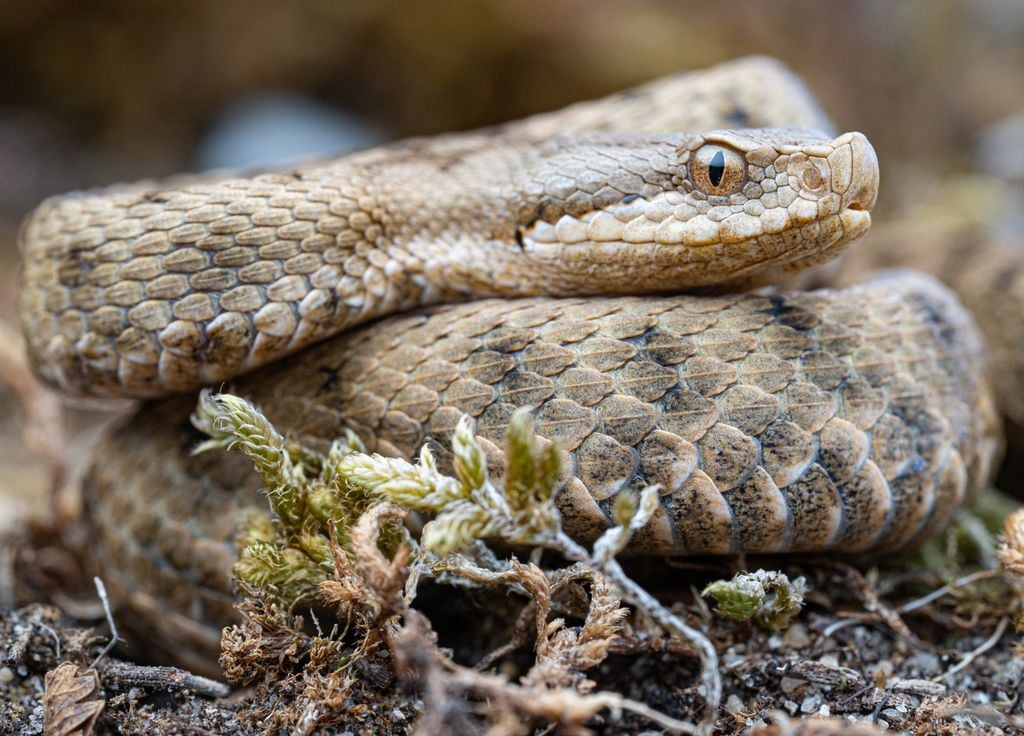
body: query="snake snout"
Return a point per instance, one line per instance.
(854, 171)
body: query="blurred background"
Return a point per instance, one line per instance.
(112, 90)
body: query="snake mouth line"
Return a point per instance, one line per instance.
(854, 221)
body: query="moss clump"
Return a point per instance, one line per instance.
(768, 597)
(336, 539)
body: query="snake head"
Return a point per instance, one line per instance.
(694, 211)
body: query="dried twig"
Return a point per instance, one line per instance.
(101, 591)
(872, 603)
(123, 675)
(946, 589)
(563, 706)
(971, 656)
(416, 651)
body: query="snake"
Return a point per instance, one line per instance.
(608, 265)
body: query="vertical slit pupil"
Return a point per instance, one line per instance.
(716, 168)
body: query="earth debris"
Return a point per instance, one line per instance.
(356, 617)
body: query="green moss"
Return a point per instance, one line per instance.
(768, 597)
(309, 493)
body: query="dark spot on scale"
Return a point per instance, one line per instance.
(931, 315)
(72, 269)
(519, 238)
(783, 312)
(330, 383)
(934, 318)
(629, 198)
(448, 162)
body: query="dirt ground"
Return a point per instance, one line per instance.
(868, 648)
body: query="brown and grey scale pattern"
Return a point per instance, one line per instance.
(853, 420)
(791, 405)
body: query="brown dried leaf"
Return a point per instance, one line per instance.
(71, 701)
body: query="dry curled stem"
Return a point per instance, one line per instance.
(267, 641)
(528, 578)
(565, 653)
(417, 657)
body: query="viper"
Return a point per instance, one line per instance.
(606, 265)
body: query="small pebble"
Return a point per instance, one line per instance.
(922, 663)
(892, 714)
(796, 636)
(829, 660)
(1011, 673)
(790, 685)
(731, 659)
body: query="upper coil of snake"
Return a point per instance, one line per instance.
(848, 420)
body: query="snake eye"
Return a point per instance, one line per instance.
(717, 171)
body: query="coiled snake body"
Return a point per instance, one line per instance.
(854, 420)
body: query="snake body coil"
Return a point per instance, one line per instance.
(852, 420)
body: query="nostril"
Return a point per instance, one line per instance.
(861, 167)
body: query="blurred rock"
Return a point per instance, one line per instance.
(1000, 150)
(276, 129)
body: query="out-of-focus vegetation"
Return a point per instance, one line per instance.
(117, 89)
